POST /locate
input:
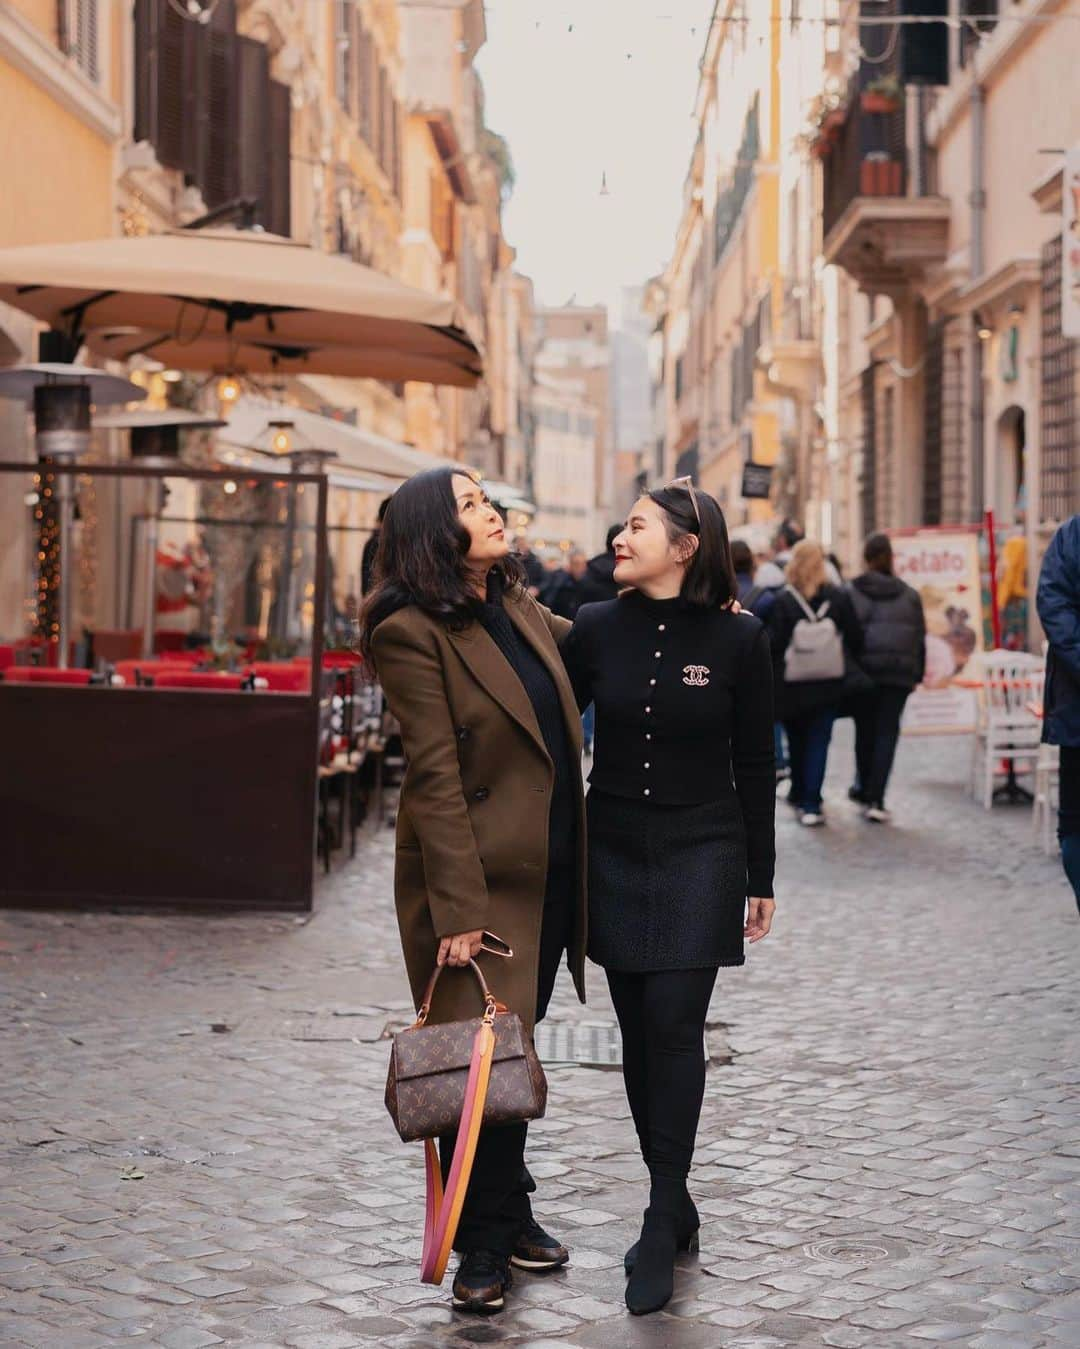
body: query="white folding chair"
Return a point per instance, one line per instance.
(1047, 786)
(1007, 728)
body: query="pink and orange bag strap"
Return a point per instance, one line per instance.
(443, 1208)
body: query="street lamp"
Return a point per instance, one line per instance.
(62, 397)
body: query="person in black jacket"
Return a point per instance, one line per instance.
(680, 821)
(808, 708)
(598, 583)
(1059, 612)
(890, 615)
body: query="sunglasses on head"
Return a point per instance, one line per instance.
(686, 484)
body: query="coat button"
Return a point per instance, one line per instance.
(481, 793)
(648, 711)
(463, 732)
(652, 683)
(648, 735)
(645, 792)
(648, 765)
(662, 628)
(656, 654)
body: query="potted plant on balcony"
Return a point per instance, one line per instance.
(883, 95)
(826, 119)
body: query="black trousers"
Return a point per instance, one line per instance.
(497, 1205)
(877, 730)
(662, 1019)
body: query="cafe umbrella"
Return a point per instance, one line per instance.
(239, 302)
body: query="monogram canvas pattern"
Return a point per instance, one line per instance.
(429, 1067)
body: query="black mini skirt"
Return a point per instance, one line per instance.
(667, 884)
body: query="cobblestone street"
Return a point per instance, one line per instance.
(195, 1149)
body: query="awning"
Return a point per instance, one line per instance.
(356, 448)
(240, 301)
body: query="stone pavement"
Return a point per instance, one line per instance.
(194, 1150)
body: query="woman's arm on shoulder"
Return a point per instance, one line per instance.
(558, 627)
(411, 674)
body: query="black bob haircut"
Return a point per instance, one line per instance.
(710, 577)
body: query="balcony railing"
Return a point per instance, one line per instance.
(867, 159)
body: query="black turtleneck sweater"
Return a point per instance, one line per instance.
(684, 710)
(544, 696)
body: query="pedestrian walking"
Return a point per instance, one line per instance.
(562, 593)
(535, 575)
(893, 656)
(814, 636)
(1058, 601)
(598, 583)
(470, 666)
(680, 815)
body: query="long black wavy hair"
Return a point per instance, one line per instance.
(421, 558)
(710, 577)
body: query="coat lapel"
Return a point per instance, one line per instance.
(536, 632)
(491, 670)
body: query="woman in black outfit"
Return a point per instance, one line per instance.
(680, 816)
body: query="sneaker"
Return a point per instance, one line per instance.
(812, 818)
(878, 814)
(481, 1282)
(538, 1251)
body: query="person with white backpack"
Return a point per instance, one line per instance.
(814, 636)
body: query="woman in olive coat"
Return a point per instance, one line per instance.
(490, 831)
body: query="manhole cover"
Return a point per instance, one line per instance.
(590, 1046)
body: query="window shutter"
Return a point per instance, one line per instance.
(253, 137)
(147, 36)
(195, 93)
(221, 130)
(344, 52)
(278, 213)
(86, 38)
(365, 99)
(170, 86)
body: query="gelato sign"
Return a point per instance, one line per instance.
(1070, 245)
(943, 568)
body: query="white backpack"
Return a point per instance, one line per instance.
(816, 649)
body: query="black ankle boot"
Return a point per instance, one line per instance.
(653, 1280)
(689, 1222)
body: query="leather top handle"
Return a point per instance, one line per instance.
(490, 1005)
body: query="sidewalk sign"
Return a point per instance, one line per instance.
(942, 565)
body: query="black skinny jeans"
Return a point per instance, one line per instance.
(877, 730)
(497, 1205)
(662, 1018)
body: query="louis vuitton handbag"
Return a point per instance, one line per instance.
(459, 1075)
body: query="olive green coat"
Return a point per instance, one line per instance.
(472, 829)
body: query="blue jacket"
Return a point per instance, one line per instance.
(1059, 612)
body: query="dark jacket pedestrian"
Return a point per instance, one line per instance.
(598, 583)
(491, 825)
(751, 594)
(808, 707)
(535, 575)
(893, 655)
(563, 594)
(1059, 612)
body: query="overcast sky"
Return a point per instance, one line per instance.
(613, 96)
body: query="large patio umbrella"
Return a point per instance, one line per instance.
(240, 301)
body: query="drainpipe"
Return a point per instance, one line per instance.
(977, 202)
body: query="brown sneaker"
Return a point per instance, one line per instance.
(481, 1282)
(537, 1251)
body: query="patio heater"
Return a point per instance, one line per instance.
(302, 459)
(155, 443)
(62, 396)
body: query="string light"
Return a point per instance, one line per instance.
(228, 389)
(45, 605)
